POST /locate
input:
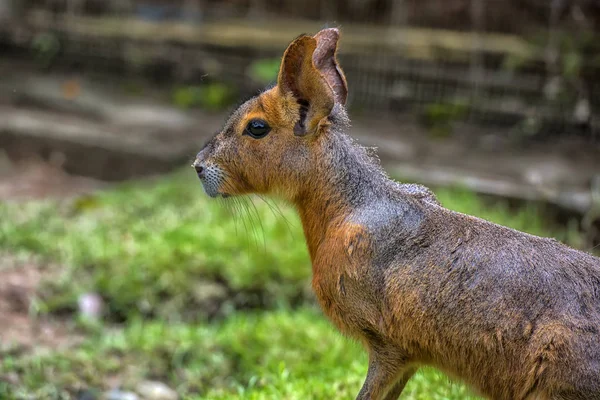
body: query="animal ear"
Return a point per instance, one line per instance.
(325, 59)
(299, 78)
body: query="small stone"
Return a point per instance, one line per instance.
(121, 395)
(151, 390)
(90, 305)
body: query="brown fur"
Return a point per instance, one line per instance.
(513, 315)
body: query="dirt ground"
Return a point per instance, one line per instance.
(33, 179)
(21, 329)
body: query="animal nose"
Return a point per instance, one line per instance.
(199, 170)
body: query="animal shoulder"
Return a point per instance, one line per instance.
(401, 213)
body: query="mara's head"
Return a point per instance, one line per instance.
(272, 143)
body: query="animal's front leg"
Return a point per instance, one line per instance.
(396, 390)
(386, 377)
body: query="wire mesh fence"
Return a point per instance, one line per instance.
(530, 65)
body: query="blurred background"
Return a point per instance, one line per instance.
(120, 280)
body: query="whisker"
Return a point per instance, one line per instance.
(234, 202)
(277, 211)
(244, 203)
(262, 228)
(238, 211)
(244, 211)
(240, 206)
(230, 211)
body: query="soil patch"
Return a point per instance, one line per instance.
(21, 329)
(35, 179)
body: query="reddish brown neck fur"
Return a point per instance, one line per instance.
(317, 218)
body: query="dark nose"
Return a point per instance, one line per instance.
(199, 163)
(199, 170)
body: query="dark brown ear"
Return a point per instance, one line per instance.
(325, 59)
(299, 77)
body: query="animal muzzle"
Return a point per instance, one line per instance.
(211, 177)
(200, 170)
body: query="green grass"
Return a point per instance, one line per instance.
(268, 355)
(151, 249)
(216, 305)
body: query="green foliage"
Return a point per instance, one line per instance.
(210, 96)
(45, 47)
(513, 62)
(572, 49)
(151, 249)
(264, 71)
(216, 96)
(527, 127)
(187, 97)
(571, 64)
(280, 354)
(438, 117)
(132, 87)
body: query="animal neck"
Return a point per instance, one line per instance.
(345, 179)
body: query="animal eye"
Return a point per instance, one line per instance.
(257, 128)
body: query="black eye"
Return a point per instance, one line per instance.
(257, 128)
